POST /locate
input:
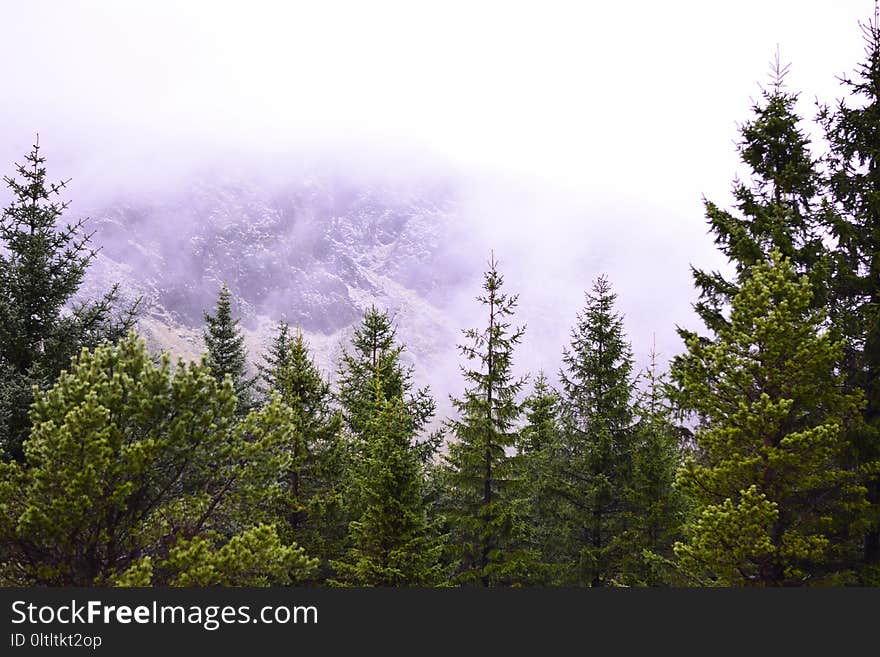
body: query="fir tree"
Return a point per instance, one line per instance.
(659, 505)
(853, 164)
(776, 208)
(42, 264)
(391, 543)
(537, 442)
(312, 505)
(773, 504)
(374, 352)
(593, 464)
(226, 353)
(137, 475)
(490, 533)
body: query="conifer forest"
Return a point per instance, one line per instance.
(751, 459)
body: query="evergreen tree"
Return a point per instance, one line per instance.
(138, 475)
(312, 504)
(659, 505)
(593, 463)
(773, 504)
(538, 441)
(226, 353)
(375, 352)
(853, 166)
(489, 527)
(42, 264)
(776, 208)
(391, 543)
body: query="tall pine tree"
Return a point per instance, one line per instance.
(593, 464)
(489, 530)
(311, 499)
(774, 506)
(659, 504)
(43, 261)
(226, 353)
(391, 542)
(537, 443)
(375, 352)
(775, 208)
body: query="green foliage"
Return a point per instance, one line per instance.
(537, 443)
(311, 504)
(42, 264)
(391, 542)
(853, 164)
(776, 208)
(490, 533)
(135, 473)
(773, 504)
(592, 463)
(226, 353)
(659, 507)
(374, 354)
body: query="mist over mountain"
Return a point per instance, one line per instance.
(315, 251)
(317, 247)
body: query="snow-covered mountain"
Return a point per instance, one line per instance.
(315, 252)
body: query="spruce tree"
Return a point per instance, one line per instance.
(311, 500)
(226, 353)
(375, 352)
(659, 505)
(489, 526)
(43, 260)
(537, 443)
(853, 166)
(136, 475)
(593, 462)
(774, 506)
(775, 208)
(391, 543)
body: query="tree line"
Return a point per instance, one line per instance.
(754, 460)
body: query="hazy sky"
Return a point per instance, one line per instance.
(623, 113)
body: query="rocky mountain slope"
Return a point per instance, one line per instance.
(316, 252)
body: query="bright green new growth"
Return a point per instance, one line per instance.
(135, 474)
(772, 499)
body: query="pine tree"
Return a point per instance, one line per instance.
(537, 443)
(489, 527)
(853, 166)
(776, 208)
(137, 475)
(226, 353)
(542, 418)
(375, 352)
(773, 504)
(391, 543)
(312, 504)
(593, 464)
(42, 264)
(659, 505)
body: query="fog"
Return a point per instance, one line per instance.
(576, 140)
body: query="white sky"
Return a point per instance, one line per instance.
(588, 93)
(631, 106)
